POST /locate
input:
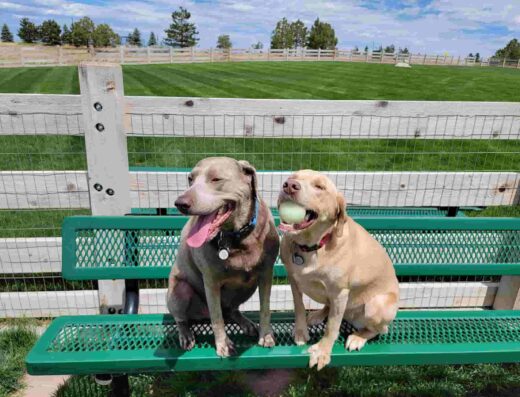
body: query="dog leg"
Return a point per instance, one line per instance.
(247, 326)
(266, 337)
(320, 352)
(223, 344)
(317, 316)
(179, 297)
(301, 333)
(357, 340)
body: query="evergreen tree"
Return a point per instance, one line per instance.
(257, 46)
(510, 51)
(477, 57)
(224, 42)
(28, 31)
(299, 34)
(181, 33)
(104, 36)
(356, 49)
(50, 32)
(366, 49)
(82, 31)
(7, 36)
(152, 40)
(135, 38)
(282, 36)
(322, 36)
(66, 35)
(390, 49)
(404, 50)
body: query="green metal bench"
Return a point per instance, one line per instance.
(144, 247)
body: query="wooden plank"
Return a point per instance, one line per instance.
(102, 98)
(160, 189)
(231, 117)
(413, 296)
(48, 303)
(30, 255)
(157, 189)
(36, 114)
(43, 189)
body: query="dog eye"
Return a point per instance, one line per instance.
(320, 187)
(190, 179)
(216, 179)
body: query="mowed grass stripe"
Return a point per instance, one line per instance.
(286, 80)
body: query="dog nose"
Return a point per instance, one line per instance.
(183, 204)
(291, 186)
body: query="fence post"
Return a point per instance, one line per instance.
(268, 54)
(319, 54)
(60, 55)
(366, 56)
(504, 63)
(171, 55)
(192, 53)
(286, 54)
(22, 62)
(121, 54)
(382, 55)
(211, 54)
(508, 294)
(518, 64)
(102, 102)
(424, 60)
(148, 55)
(334, 54)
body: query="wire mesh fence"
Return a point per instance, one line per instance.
(376, 160)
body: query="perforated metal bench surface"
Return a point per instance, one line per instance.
(141, 343)
(141, 247)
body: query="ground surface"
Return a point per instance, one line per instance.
(291, 80)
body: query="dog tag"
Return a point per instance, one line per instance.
(298, 259)
(223, 254)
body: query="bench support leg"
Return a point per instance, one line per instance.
(120, 386)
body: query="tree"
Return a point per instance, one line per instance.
(28, 31)
(81, 32)
(257, 46)
(104, 36)
(181, 32)
(510, 51)
(404, 50)
(282, 36)
(135, 38)
(299, 34)
(50, 32)
(355, 49)
(66, 35)
(224, 42)
(390, 49)
(322, 36)
(152, 40)
(477, 57)
(366, 49)
(7, 36)
(470, 55)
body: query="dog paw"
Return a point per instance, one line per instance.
(319, 356)
(355, 342)
(301, 336)
(186, 339)
(225, 348)
(267, 340)
(316, 317)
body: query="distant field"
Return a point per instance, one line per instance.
(290, 80)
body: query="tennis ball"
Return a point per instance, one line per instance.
(291, 213)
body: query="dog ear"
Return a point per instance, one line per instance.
(250, 171)
(341, 215)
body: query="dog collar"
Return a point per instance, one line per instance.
(225, 240)
(324, 240)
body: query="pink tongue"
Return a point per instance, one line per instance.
(200, 231)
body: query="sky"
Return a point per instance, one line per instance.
(456, 27)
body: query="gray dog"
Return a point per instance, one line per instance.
(228, 249)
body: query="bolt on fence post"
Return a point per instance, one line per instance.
(102, 101)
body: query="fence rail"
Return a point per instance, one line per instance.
(54, 156)
(21, 55)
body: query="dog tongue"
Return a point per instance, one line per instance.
(200, 231)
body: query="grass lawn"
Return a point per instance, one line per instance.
(15, 343)
(290, 80)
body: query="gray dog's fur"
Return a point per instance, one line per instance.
(201, 285)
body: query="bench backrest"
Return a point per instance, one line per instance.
(143, 247)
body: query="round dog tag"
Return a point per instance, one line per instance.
(298, 259)
(223, 254)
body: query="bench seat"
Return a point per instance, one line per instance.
(143, 343)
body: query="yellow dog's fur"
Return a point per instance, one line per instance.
(351, 275)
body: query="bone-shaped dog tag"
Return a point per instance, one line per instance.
(298, 259)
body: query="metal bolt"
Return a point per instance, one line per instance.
(98, 106)
(98, 187)
(100, 127)
(110, 191)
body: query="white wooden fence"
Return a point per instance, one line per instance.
(18, 55)
(125, 118)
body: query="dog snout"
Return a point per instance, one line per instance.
(183, 204)
(291, 186)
